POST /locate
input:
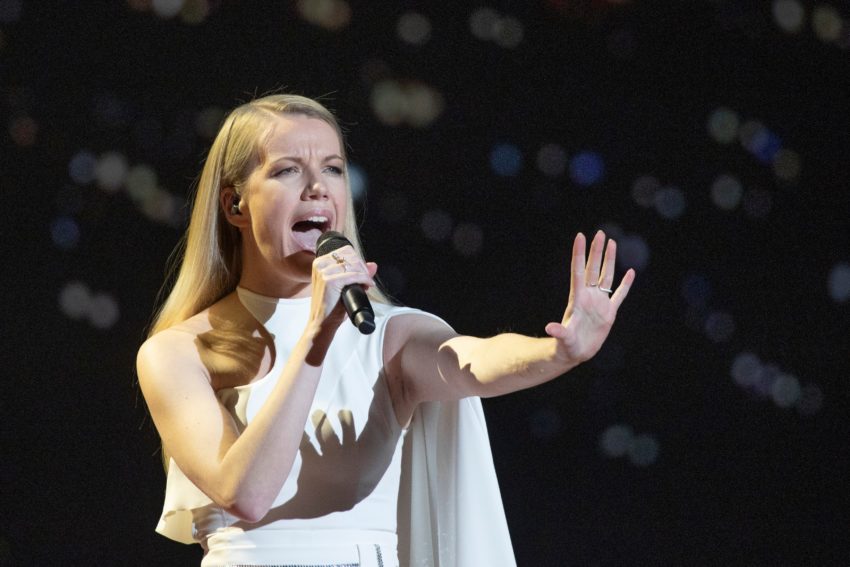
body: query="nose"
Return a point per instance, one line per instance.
(315, 189)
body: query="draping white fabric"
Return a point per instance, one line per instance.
(449, 512)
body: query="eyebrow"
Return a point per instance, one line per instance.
(301, 160)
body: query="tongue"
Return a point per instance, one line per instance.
(306, 239)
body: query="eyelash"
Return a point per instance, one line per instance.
(334, 169)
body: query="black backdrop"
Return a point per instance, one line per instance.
(712, 427)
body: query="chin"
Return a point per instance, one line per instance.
(301, 263)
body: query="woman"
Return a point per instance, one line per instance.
(294, 439)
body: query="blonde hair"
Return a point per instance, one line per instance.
(210, 254)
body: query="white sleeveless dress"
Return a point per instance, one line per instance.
(340, 506)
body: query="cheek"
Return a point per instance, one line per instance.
(271, 224)
(341, 202)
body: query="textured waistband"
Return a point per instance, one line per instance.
(232, 547)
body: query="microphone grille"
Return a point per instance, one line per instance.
(330, 241)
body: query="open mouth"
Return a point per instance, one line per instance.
(307, 231)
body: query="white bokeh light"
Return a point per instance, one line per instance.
(787, 165)
(424, 105)
(483, 23)
(141, 182)
(436, 224)
(552, 160)
(110, 171)
(726, 192)
(644, 189)
(785, 390)
(331, 15)
(468, 239)
(103, 311)
(838, 282)
(723, 125)
(389, 102)
(508, 32)
(827, 23)
(166, 8)
(644, 450)
(746, 369)
(414, 28)
(75, 299)
(670, 202)
(616, 440)
(789, 15)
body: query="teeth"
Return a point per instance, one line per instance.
(318, 219)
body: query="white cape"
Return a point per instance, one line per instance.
(450, 511)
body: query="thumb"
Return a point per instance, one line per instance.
(372, 268)
(555, 330)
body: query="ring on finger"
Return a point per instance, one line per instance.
(605, 289)
(340, 260)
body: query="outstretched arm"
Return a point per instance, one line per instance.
(434, 363)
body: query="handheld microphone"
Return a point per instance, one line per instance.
(354, 297)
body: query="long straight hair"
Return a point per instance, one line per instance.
(208, 259)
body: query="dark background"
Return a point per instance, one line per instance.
(717, 470)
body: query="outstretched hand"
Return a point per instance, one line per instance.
(590, 310)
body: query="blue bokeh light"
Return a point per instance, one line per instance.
(587, 168)
(65, 232)
(506, 160)
(765, 145)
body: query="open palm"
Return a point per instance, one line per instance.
(590, 310)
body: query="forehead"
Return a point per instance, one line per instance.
(299, 134)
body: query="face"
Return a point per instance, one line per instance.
(297, 193)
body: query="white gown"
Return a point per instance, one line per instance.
(362, 491)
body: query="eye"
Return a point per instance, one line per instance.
(334, 170)
(285, 171)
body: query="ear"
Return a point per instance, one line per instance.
(232, 205)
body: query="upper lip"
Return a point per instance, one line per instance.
(314, 214)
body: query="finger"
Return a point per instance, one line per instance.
(577, 268)
(319, 420)
(594, 261)
(343, 278)
(346, 421)
(318, 417)
(308, 451)
(346, 250)
(606, 278)
(555, 330)
(325, 433)
(623, 289)
(372, 269)
(340, 256)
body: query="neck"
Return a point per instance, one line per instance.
(289, 279)
(274, 287)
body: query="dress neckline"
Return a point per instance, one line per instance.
(252, 296)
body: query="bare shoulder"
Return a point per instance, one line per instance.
(172, 349)
(224, 344)
(177, 346)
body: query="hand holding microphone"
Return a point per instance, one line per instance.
(353, 296)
